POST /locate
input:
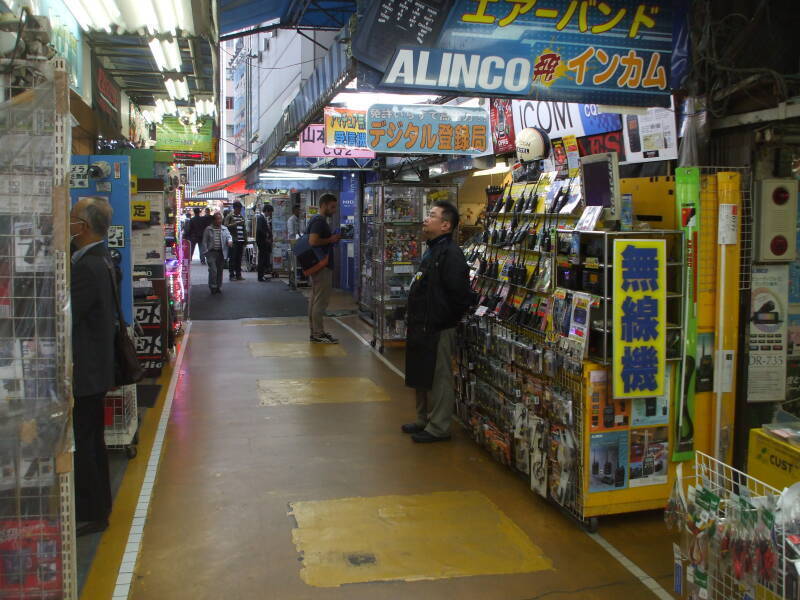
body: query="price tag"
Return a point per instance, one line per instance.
(481, 311)
(728, 224)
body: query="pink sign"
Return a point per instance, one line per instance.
(312, 145)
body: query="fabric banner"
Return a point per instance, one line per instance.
(640, 318)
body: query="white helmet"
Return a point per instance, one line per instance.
(532, 144)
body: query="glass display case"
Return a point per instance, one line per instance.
(392, 250)
(367, 246)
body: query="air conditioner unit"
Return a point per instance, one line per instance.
(776, 219)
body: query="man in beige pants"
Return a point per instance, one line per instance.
(319, 234)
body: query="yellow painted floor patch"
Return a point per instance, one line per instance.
(294, 349)
(277, 321)
(322, 390)
(434, 536)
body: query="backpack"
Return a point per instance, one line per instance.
(310, 258)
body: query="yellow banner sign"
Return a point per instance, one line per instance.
(640, 318)
(140, 210)
(345, 128)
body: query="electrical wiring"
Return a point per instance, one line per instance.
(236, 146)
(247, 62)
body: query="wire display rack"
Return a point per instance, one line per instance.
(733, 487)
(122, 420)
(37, 547)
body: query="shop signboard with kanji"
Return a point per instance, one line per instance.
(639, 318)
(345, 128)
(312, 145)
(611, 52)
(428, 129)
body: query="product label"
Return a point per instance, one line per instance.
(728, 224)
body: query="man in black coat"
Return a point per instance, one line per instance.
(94, 317)
(264, 241)
(440, 295)
(194, 233)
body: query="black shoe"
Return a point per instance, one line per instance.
(91, 527)
(261, 279)
(330, 338)
(412, 428)
(427, 438)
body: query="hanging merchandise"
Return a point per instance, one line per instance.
(687, 184)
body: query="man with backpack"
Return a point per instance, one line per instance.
(320, 236)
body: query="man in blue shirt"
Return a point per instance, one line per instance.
(320, 235)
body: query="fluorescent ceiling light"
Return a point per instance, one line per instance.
(134, 16)
(296, 173)
(499, 169)
(363, 100)
(167, 54)
(177, 89)
(204, 107)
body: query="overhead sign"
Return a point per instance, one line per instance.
(312, 145)
(174, 135)
(428, 129)
(640, 318)
(345, 128)
(615, 52)
(106, 97)
(503, 134)
(651, 136)
(558, 119)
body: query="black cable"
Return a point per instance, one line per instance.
(23, 19)
(222, 139)
(272, 68)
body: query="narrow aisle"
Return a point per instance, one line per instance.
(266, 428)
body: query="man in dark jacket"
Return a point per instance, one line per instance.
(440, 295)
(194, 233)
(264, 241)
(236, 225)
(94, 317)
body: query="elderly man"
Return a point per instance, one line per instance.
(94, 318)
(216, 241)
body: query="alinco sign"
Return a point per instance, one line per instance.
(614, 52)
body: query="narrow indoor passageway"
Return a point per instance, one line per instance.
(285, 476)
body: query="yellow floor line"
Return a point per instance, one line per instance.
(102, 575)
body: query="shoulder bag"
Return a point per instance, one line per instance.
(127, 368)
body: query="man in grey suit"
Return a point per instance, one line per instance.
(93, 328)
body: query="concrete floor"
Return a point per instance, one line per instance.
(219, 523)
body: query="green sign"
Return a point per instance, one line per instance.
(174, 135)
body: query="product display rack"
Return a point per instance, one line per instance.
(37, 552)
(121, 419)
(367, 247)
(735, 535)
(534, 381)
(396, 251)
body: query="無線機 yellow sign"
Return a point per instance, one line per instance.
(345, 128)
(640, 318)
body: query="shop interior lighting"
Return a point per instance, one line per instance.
(501, 168)
(167, 54)
(362, 101)
(177, 89)
(296, 175)
(134, 16)
(167, 107)
(95, 14)
(205, 107)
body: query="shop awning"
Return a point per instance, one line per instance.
(235, 184)
(235, 15)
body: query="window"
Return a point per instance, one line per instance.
(228, 102)
(231, 158)
(229, 131)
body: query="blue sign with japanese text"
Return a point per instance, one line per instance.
(428, 129)
(609, 52)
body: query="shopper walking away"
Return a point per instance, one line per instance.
(440, 295)
(320, 235)
(238, 230)
(94, 318)
(293, 231)
(264, 241)
(205, 222)
(194, 233)
(217, 240)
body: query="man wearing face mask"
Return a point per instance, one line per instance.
(94, 318)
